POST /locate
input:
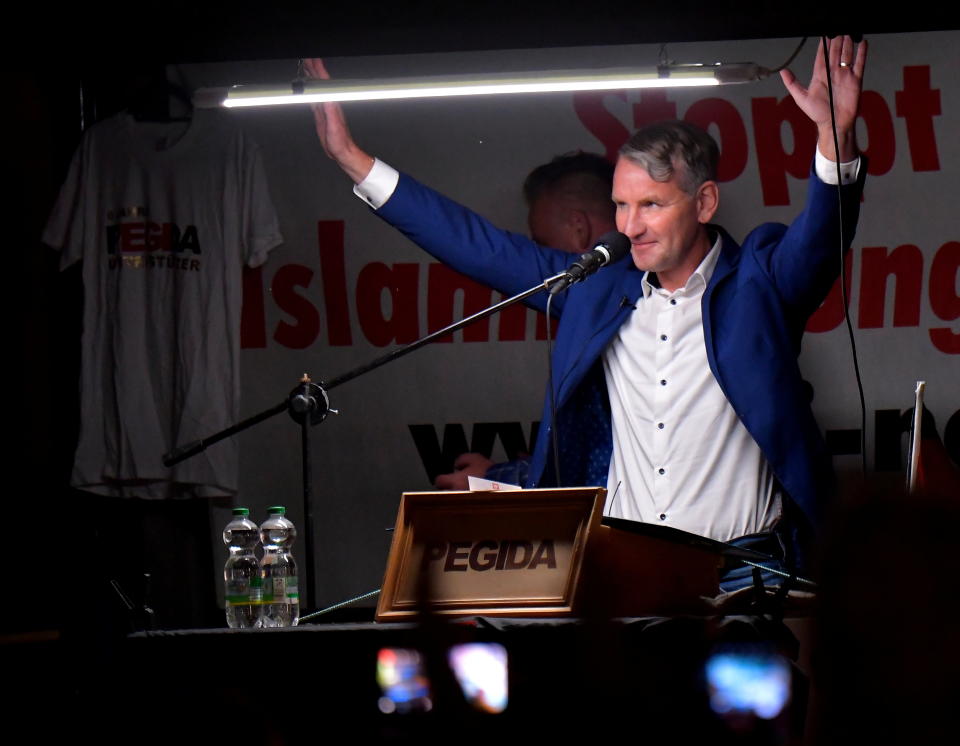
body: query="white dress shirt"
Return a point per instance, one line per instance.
(378, 185)
(681, 456)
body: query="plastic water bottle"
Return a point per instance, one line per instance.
(241, 574)
(281, 597)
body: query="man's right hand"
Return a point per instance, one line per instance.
(466, 465)
(333, 131)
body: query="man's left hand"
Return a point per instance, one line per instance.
(846, 61)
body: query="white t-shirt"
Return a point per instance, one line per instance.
(164, 216)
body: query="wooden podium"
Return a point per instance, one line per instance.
(538, 553)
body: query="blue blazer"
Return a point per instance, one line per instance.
(755, 308)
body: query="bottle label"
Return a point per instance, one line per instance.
(256, 591)
(237, 592)
(280, 590)
(244, 592)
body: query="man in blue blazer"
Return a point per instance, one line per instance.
(675, 374)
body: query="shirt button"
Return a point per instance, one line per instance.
(659, 426)
(673, 301)
(663, 381)
(663, 516)
(663, 337)
(661, 471)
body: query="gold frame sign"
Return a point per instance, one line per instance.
(492, 553)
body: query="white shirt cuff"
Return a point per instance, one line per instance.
(826, 169)
(379, 184)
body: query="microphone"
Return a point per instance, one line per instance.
(611, 247)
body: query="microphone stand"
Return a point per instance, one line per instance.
(308, 405)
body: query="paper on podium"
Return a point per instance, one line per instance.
(479, 484)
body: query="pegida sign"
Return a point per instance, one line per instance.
(490, 554)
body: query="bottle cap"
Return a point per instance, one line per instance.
(241, 511)
(277, 509)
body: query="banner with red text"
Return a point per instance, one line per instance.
(345, 288)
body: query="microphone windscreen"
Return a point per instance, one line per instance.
(617, 244)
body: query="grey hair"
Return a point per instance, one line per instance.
(674, 147)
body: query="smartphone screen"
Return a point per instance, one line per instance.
(481, 670)
(748, 681)
(403, 681)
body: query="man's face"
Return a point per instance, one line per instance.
(552, 223)
(663, 222)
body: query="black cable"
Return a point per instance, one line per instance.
(553, 398)
(843, 264)
(791, 58)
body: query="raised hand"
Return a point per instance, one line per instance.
(845, 61)
(332, 129)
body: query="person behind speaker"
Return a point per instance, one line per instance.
(568, 208)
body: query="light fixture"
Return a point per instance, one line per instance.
(303, 91)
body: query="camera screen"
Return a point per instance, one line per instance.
(748, 682)
(481, 670)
